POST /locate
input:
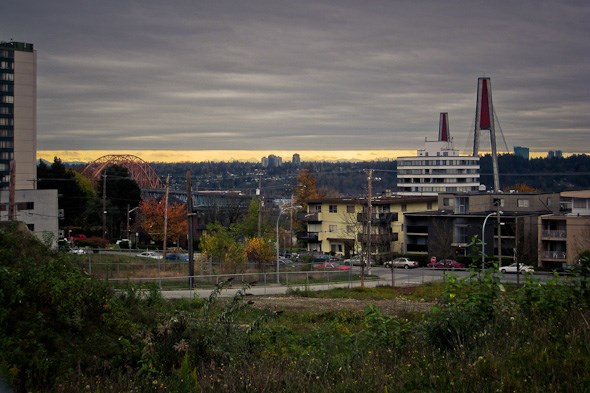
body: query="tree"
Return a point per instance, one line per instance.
(440, 238)
(75, 197)
(151, 220)
(260, 250)
(306, 188)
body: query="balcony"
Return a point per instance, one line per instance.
(422, 229)
(378, 239)
(311, 217)
(554, 255)
(554, 234)
(417, 247)
(377, 218)
(310, 237)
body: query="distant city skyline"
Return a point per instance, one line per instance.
(240, 155)
(311, 75)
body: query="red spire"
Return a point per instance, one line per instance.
(484, 120)
(443, 128)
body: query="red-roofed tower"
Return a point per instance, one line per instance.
(484, 120)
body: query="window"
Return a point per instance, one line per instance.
(429, 206)
(315, 208)
(25, 206)
(7, 77)
(580, 203)
(498, 202)
(350, 208)
(522, 202)
(7, 99)
(6, 144)
(5, 122)
(404, 207)
(333, 228)
(336, 247)
(333, 208)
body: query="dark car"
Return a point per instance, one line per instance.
(449, 264)
(177, 257)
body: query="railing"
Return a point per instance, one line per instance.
(308, 236)
(554, 254)
(377, 217)
(560, 234)
(417, 229)
(378, 239)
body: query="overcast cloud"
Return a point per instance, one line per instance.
(306, 74)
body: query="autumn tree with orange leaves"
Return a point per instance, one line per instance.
(151, 221)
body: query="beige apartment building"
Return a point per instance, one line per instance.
(343, 226)
(563, 236)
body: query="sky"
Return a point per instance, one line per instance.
(309, 75)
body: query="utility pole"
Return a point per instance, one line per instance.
(166, 214)
(369, 224)
(189, 216)
(12, 192)
(260, 203)
(104, 205)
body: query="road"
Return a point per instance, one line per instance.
(385, 276)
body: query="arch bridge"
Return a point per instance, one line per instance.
(140, 171)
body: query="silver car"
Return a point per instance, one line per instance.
(406, 263)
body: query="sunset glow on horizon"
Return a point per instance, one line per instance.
(237, 155)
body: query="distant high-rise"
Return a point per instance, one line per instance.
(521, 151)
(438, 167)
(296, 159)
(271, 161)
(554, 154)
(18, 114)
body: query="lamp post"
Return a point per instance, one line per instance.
(129, 211)
(281, 211)
(483, 244)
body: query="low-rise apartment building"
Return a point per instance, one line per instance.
(510, 232)
(342, 226)
(563, 236)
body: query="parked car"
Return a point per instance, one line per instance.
(177, 257)
(406, 263)
(77, 251)
(449, 264)
(286, 262)
(331, 266)
(149, 254)
(357, 260)
(521, 268)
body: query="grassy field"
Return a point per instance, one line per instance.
(63, 330)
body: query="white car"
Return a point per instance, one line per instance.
(357, 261)
(149, 254)
(514, 269)
(406, 263)
(77, 251)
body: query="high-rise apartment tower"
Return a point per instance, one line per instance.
(18, 114)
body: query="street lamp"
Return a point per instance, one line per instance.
(281, 211)
(483, 244)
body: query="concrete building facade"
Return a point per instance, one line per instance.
(340, 226)
(437, 168)
(18, 114)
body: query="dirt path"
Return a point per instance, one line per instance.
(387, 307)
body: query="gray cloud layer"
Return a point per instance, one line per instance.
(307, 74)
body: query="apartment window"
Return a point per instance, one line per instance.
(336, 247)
(350, 228)
(333, 228)
(448, 201)
(429, 206)
(315, 208)
(6, 133)
(5, 122)
(5, 110)
(498, 202)
(7, 99)
(6, 144)
(6, 155)
(25, 206)
(350, 208)
(7, 77)
(404, 207)
(580, 203)
(333, 208)
(522, 202)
